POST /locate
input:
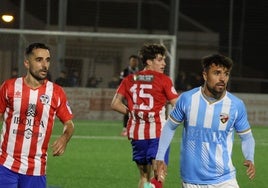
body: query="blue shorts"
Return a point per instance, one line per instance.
(144, 151)
(10, 179)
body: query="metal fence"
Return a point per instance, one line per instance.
(91, 55)
(101, 56)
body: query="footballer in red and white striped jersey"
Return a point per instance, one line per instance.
(28, 121)
(147, 93)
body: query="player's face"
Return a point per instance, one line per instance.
(38, 63)
(133, 62)
(216, 79)
(158, 64)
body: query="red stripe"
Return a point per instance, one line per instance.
(147, 130)
(8, 122)
(21, 128)
(136, 131)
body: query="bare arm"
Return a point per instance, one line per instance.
(248, 147)
(118, 105)
(173, 101)
(1, 117)
(60, 144)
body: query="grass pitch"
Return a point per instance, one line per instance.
(98, 157)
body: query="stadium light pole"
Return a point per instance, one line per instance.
(63, 4)
(21, 26)
(230, 28)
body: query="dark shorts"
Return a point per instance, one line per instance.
(144, 151)
(10, 179)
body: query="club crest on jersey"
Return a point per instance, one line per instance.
(224, 117)
(144, 78)
(44, 99)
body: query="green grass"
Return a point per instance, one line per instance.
(97, 156)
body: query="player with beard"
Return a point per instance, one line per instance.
(210, 115)
(28, 106)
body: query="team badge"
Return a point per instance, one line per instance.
(224, 117)
(44, 99)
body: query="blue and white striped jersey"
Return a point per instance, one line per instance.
(208, 135)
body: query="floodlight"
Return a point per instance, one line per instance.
(7, 18)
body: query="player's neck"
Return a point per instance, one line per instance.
(32, 82)
(210, 97)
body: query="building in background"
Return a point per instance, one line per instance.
(201, 28)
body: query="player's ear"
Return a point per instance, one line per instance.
(26, 63)
(149, 62)
(204, 75)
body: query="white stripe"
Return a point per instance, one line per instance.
(141, 125)
(226, 106)
(209, 116)
(205, 156)
(131, 129)
(229, 141)
(14, 126)
(152, 129)
(194, 109)
(162, 115)
(141, 129)
(219, 160)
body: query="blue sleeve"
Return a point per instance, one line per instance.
(248, 145)
(241, 123)
(165, 138)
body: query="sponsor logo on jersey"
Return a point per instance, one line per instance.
(144, 78)
(17, 94)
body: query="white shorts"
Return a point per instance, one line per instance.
(227, 184)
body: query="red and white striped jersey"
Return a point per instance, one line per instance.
(28, 121)
(147, 93)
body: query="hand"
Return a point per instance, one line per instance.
(161, 170)
(58, 146)
(250, 169)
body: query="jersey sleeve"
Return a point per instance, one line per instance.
(178, 114)
(241, 123)
(64, 112)
(122, 87)
(170, 89)
(3, 101)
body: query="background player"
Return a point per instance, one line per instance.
(133, 67)
(147, 93)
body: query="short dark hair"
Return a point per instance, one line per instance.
(150, 51)
(218, 60)
(33, 46)
(133, 56)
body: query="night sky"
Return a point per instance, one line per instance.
(249, 33)
(249, 28)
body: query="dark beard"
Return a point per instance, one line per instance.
(216, 95)
(38, 78)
